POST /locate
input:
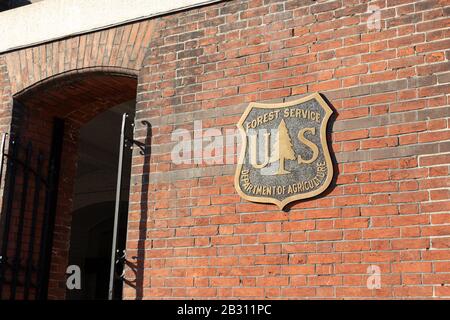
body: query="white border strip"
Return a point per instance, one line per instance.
(50, 20)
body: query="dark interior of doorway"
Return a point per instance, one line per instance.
(94, 200)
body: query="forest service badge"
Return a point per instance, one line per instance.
(284, 154)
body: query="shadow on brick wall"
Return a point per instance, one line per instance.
(137, 263)
(146, 152)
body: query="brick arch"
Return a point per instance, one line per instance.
(80, 95)
(121, 47)
(111, 70)
(76, 96)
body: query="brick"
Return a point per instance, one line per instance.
(351, 135)
(434, 160)
(344, 72)
(349, 51)
(381, 233)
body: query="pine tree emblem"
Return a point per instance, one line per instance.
(284, 147)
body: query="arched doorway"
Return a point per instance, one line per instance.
(94, 203)
(55, 117)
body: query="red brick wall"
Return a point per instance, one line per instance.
(389, 206)
(5, 103)
(5, 92)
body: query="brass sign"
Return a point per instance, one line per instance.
(284, 154)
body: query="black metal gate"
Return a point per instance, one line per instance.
(118, 254)
(28, 215)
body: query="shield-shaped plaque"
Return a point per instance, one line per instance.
(284, 156)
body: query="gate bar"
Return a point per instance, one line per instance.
(34, 214)
(8, 212)
(23, 203)
(48, 224)
(2, 154)
(117, 207)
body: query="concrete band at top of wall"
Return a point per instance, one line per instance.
(50, 20)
